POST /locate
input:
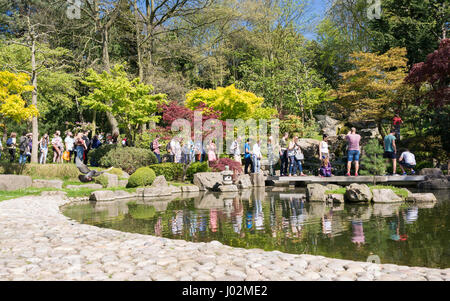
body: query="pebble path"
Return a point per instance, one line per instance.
(37, 242)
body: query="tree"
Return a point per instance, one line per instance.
(374, 86)
(129, 101)
(417, 25)
(373, 163)
(232, 102)
(12, 104)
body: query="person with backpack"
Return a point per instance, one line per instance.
(154, 146)
(11, 146)
(24, 148)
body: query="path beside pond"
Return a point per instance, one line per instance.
(37, 242)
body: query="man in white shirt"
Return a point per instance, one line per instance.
(257, 156)
(407, 160)
(236, 150)
(69, 141)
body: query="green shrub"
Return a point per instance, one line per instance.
(128, 158)
(97, 154)
(43, 171)
(116, 171)
(143, 176)
(373, 163)
(171, 171)
(102, 179)
(424, 164)
(194, 168)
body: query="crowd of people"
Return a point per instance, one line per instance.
(288, 152)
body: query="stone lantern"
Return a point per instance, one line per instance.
(227, 175)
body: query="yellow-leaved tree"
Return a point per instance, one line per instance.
(373, 88)
(12, 104)
(232, 102)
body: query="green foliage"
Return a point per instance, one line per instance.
(373, 163)
(116, 171)
(423, 164)
(194, 168)
(97, 154)
(102, 180)
(341, 190)
(171, 171)
(294, 126)
(129, 101)
(143, 176)
(128, 158)
(401, 192)
(41, 171)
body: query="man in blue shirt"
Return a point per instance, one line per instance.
(248, 156)
(390, 150)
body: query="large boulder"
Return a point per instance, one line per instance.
(109, 195)
(335, 198)
(422, 197)
(310, 148)
(151, 192)
(228, 188)
(207, 180)
(39, 183)
(432, 172)
(328, 125)
(244, 181)
(258, 179)
(358, 193)
(14, 182)
(385, 196)
(189, 188)
(160, 181)
(113, 180)
(316, 193)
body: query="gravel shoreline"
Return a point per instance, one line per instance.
(37, 242)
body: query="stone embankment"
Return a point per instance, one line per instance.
(39, 243)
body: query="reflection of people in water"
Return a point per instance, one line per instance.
(192, 223)
(201, 222)
(394, 227)
(259, 215)
(412, 214)
(213, 220)
(326, 223)
(158, 227)
(296, 216)
(236, 215)
(177, 223)
(358, 233)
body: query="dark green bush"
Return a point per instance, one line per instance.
(171, 171)
(128, 158)
(143, 176)
(194, 168)
(424, 164)
(97, 154)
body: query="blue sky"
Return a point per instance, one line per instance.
(317, 9)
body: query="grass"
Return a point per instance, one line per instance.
(402, 192)
(178, 183)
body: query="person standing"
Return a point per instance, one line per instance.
(271, 149)
(284, 158)
(397, 122)
(1, 149)
(57, 147)
(247, 157)
(390, 150)
(353, 153)
(256, 156)
(24, 148)
(43, 146)
(11, 145)
(236, 150)
(198, 150)
(87, 143)
(155, 148)
(79, 146)
(298, 157)
(176, 148)
(69, 142)
(291, 156)
(323, 148)
(211, 148)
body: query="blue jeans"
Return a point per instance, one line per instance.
(23, 158)
(43, 157)
(353, 155)
(256, 164)
(294, 164)
(80, 152)
(158, 156)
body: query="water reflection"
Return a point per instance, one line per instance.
(286, 222)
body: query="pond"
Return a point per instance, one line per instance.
(403, 233)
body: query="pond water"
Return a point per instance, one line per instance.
(404, 234)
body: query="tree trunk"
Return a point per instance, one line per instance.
(35, 130)
(138, 42)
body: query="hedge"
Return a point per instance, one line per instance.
(128, 158)
(44, 171)
(171, 171)
(195, 168)
(143, 176)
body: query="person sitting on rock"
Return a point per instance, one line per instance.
(325, 168)
(407, 160)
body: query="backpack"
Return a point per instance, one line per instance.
(9, 142)
(23, 144)
(151, 145)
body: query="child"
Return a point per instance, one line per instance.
(325, 168)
